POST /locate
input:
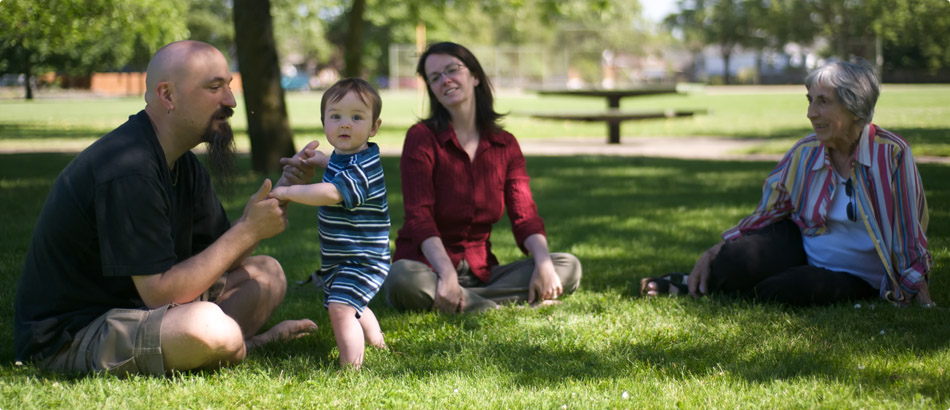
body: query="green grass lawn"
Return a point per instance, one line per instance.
(602, 348)
(773, 115)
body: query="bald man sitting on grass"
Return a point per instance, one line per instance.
(134, 267)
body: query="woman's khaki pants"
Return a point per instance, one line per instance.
(411, 285)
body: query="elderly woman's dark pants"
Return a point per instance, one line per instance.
(770, 265)
(411, 285)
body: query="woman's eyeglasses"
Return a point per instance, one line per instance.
(852, 209)
(449, 71)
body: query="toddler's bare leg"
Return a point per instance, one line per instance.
(348, 333)
(374, 335)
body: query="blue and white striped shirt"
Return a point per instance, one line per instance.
(355, 232)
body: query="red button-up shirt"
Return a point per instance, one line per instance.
(448, 196)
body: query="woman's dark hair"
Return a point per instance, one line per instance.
(486, 118)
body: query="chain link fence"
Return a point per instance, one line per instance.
(516, 67)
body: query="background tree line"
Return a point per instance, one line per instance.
(78, 37)
(82, 36)
(896, 34)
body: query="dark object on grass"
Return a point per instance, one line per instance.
(663, 283)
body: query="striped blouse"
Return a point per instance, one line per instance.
(891, 202)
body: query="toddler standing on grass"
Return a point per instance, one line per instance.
(353, 216)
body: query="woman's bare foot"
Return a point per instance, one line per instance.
(286, 330)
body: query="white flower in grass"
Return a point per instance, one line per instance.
(563, 407)
(455, 391)
(857, 306)
(882, 332)
(625, 395)
(860, 367)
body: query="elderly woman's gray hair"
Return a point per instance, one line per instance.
(855, 84)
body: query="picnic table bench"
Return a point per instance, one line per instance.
(613, 116)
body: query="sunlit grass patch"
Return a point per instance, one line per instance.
(603, 347)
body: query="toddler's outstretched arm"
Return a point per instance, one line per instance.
(323, 193)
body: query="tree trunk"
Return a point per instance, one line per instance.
(700, 72)
(267, 125)
(843, 35)
(725, 62)
(842, 45)
(28, 74)
(757, 76)
(353, 47)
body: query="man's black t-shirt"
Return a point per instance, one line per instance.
(114, 212)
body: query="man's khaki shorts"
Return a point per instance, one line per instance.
(121, 341)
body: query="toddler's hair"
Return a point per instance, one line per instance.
(362, 88)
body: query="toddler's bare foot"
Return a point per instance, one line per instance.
(548, 302)
(286, 330)
(379, 343)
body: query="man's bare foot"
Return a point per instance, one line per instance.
(286, 330)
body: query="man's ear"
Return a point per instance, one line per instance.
(164, 91)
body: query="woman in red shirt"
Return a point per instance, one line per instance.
(460, 171)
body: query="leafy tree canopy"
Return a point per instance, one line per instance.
(907, 33)
(81, 36)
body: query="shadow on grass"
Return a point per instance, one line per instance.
(923, 135)
(723, 339)
(842, 343)
(625, 218)
(16, 130)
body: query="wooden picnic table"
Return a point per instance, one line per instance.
(612, 116)
(613, 96)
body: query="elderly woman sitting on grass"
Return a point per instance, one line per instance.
(843, 215)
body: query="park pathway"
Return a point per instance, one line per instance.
(679, 147)
(711, 148)
(714, 148)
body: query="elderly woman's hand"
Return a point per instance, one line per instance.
(699, 276)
